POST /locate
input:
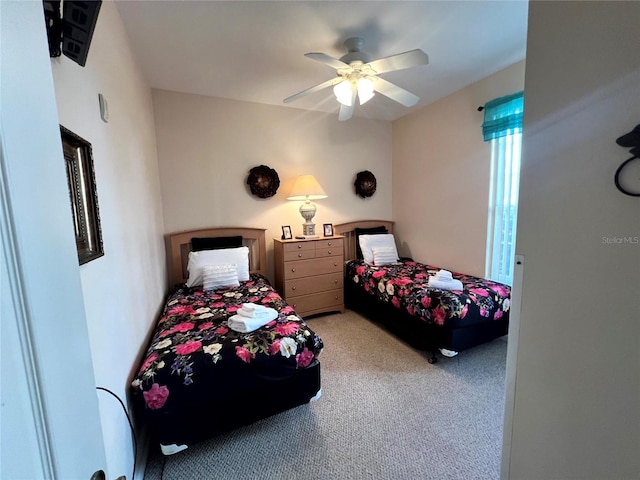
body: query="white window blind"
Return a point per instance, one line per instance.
(503, 206)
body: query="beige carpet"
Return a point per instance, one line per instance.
(385, 413)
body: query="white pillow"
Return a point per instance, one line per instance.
(225, 256)
(219, 276)
(384, 255)
(368, 242)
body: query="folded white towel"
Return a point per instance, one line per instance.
(444, 276)
(445, 285)
(243, 324)
(250, 309)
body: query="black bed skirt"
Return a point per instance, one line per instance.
(265, 397)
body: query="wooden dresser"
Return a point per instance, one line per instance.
(309, 274)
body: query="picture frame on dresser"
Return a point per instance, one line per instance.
(327, 229)
(286, 232)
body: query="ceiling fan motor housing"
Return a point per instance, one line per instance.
(355, 53)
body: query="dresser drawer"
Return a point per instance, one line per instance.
(329, 244)
(320, 283)
(299, 255)
(317, 301)
(307, 268)
(329, 248)
(298, 246)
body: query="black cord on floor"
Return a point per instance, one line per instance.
(133, 433)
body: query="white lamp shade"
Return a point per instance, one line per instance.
(365, 90)
(307, 188)
(342, 91)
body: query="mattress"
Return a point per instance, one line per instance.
(405, 286)
(198, 377)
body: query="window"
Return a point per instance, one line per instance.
(503, 127)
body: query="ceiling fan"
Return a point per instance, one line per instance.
(358, 76)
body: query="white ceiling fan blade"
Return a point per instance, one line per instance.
(317, 88)
(327, 60)
(394, 92)
(409, 59)
(346, 111)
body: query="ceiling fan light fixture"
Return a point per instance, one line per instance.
(343, 94)
(357, 76)
(365, 90)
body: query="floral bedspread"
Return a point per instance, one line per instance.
(405, 285)
(193, 352)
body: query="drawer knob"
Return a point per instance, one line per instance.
(299, 255)
(293, 269)
(336, 297)
(293, 288)
(329, 244)
(335, 264)
(299, 246)
(335, 281)
(329, 252)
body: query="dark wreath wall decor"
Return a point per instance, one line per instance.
(263, 181)
(365, 184)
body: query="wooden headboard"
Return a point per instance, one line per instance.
(179, 245)
(348, 231)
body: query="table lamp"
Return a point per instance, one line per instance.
(307, 188)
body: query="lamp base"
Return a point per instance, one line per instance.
(308, 228)
(306, 237)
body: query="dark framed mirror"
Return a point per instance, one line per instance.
(78, 158)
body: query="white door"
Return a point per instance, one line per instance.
(49, 418)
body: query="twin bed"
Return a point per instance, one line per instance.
(398, 295)
(198, 376)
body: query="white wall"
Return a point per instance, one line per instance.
(577, 387)
(123, 290)
(206, 147)
(441, 173)
(50, 426)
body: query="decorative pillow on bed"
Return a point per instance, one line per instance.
(367, 231)
(384, 255)
(227, 256)
(219, 276)
(215, 243)
(369, 242)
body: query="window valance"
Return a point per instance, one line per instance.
(503, 116)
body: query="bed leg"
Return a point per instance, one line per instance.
(316, 397)
(171, 449)
(432, 357)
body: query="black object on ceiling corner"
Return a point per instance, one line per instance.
(71, 33)
(629, 140)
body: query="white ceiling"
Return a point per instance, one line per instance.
(254, 50)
